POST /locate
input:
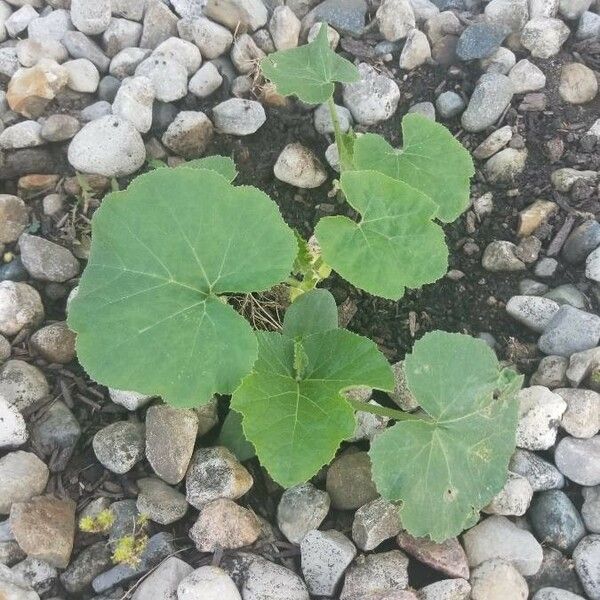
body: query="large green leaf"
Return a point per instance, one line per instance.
(394, 246)
(150, 315)
(445, 469)
(297, 418)
(431, 160)
(309, 72)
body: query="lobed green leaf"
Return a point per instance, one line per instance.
(395, 245)
(310, 71)
(294, 413)
(431, 160)
(443, 470)
(150, 314)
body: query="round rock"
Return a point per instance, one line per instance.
(238, 116)
(208, 583)
(497, 579)
(20, 306)
(298, 166)
(109, 146)
(301, 509)
(372, 99)
(579, 459)
(119, 446)
(216, 473)
(578, 84)
(46, 260)
(22, 476)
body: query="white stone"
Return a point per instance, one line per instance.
(502, 61)
(497, 537)
(324, 123)
(22, 476)
(206, 81)
(108, 146)
(446, 589)
(126, 61)
(578, 84)
(120, 34)
(238, 116)
(416, 50)
(162, 583)
(534, 312)
(13, 431)
(244, 14)
(543, 8)
(573, 9)
(544, 36)
(184, 52)
(298, 166)
(208, 583)
(527, 77)
(169, 77)
(53, 25)
(91, 17)
(301, 509)
(540, 411)
(30, 52)
(20, 306)
(83, 75)
(284, 28)
(582, 417)
(372, 99)
(19, 20)
(513, 499)
(25, 134)
(493, 143)
(504, 167)
(563, 179)
(511, 14)
(396, 18)
(497, 579)
(212, 39)
(325, 556)
(134, 101)
(130, 400)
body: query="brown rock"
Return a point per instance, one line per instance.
(534, 215)
(36, 183)
(55, 343)
(349, 482)
(447, 557)
(30, 90)
(13, 218)
(223, 524)
(44, 527)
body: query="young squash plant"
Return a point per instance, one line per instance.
(152, 313)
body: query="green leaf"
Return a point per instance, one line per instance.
(395, 245)
(150, 313)
(223, 165)
(295, 425)
(312, 312)
(444, 470)
(232, 437)
(431, 161)
(310, 71)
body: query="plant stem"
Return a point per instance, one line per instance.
(337, 130)
(382, 411)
